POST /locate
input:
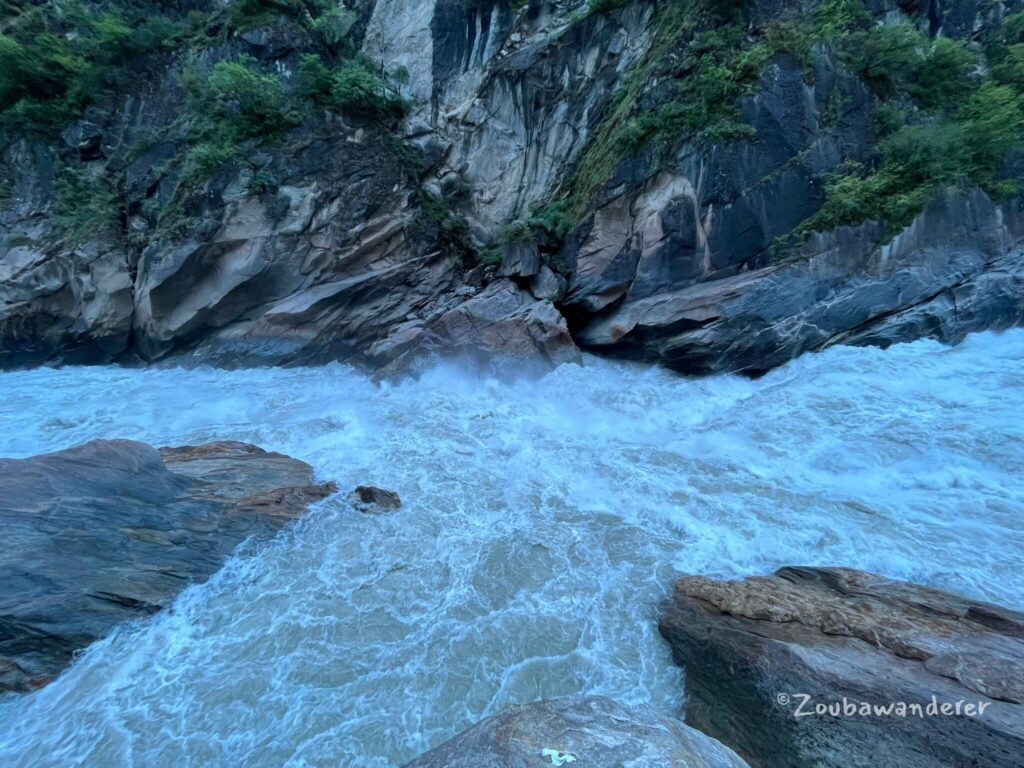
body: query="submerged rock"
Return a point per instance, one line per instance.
(370, 499)
(590, 732)
(112, 530)
(763, 653)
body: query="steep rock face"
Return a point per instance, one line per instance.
(715, 210)
(112, 530)
(307, 252)
(79, 299)
(585, 731)
(679, 265)
(509, 97)
(762, 654)
(539, 98)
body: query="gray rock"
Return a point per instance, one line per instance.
(112, 530)
(520, 259)
(754, 649)
(499, 325)
(958, 268)
(547, 285)
(594, 731)
(314, 250)
(370, 499)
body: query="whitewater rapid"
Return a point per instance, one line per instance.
(543, 522)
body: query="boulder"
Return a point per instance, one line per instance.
(546, 285)
(370, 499)
(837, 668)
(520, 259)
(500, 325)
(588, 732)
(112, 530)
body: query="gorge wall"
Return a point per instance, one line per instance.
(715, 187)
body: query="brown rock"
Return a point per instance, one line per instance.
(754, 649)
(583, 732)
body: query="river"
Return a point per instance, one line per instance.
(543, 522)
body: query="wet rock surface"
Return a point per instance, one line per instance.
(112, 530)
(370, 499)
(588, 732)
(758, 651)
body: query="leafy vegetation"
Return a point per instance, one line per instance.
(948, 112)
(232, 104)
(57, 59)
(942, 123)
(354, 87)
(86, 205)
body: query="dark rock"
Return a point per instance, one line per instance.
(369, 498)
(593, 731)
(520, 259)
(86, 139)
(114, 529)
(547, 285)
(754, 649)
(958, 268)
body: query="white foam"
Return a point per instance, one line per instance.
(543, 522)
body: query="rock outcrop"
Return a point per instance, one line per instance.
(588, 732)
(906, 675)
(112, 530)
(958, 268)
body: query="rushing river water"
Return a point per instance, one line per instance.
(543, 522)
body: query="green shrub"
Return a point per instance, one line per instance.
(1009, 67)
(899, 58)
(356, 87)
(966, 148)
(333, 25)
(314, 79)
(234, 103)
(55, 60)
(236, 92)
(86, 206)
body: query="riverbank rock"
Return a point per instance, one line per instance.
(112, 530)
(763, 652)
(584, 732)
(958, 269)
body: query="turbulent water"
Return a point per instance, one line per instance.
(543, 522)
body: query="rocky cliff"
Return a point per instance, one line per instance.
(717, 187)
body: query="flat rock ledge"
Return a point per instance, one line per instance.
(764, 655)
(112, 530)
(579, 732)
